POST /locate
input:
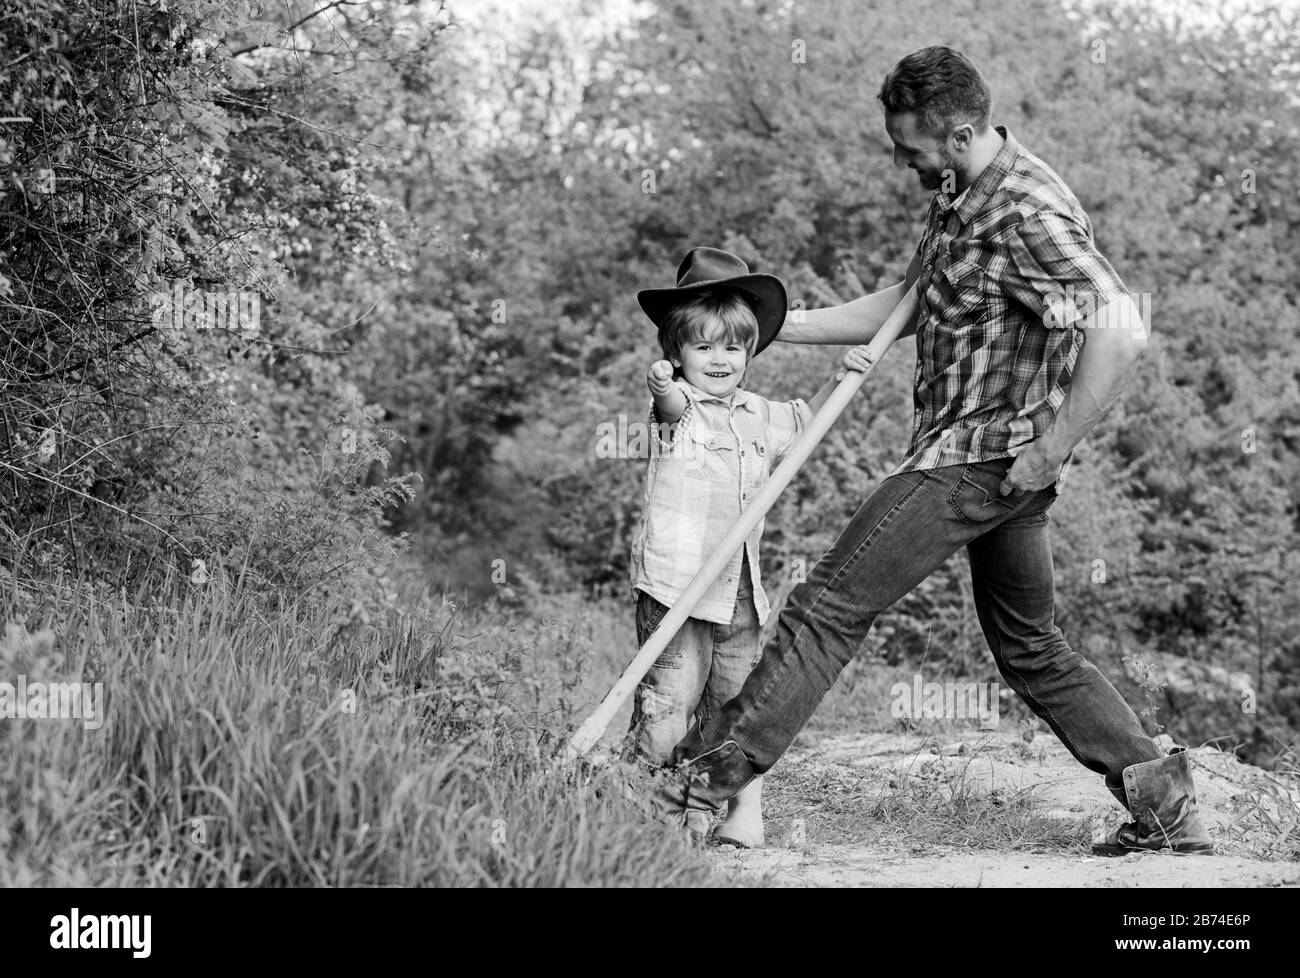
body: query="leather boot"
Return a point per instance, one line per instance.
(1162, 801)
(703, 783)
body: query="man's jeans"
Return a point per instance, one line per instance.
(907, 528)
(702, 667)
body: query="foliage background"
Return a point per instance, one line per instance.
(447, 222)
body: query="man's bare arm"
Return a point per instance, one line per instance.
(1114, 339)
(852, 323)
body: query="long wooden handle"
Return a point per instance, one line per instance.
(594, 726)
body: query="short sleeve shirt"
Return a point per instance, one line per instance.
(1008, 269)
(698, 484)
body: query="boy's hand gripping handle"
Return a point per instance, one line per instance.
(594, 726)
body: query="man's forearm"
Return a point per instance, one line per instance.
(850, 324)
(1114, 339)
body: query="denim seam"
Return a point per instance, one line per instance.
(875, 531)
(657, 613)
(771, 683)
(665, 659)
(1031, 698)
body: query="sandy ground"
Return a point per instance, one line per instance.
(1002, 764)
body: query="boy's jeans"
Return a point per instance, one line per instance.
(908, 527)
(701, 668)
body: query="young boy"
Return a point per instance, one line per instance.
(723, 441)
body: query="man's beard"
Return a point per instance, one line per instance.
(934, 179)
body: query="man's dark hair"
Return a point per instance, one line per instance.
(942, 87)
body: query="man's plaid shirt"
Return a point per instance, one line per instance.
(1007, 270)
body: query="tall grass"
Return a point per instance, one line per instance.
(294, 743)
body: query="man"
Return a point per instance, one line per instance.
(1025, 337)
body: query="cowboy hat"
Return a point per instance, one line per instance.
(711, 268)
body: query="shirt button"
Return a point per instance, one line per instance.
(742, 453)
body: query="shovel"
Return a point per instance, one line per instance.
(594, 726)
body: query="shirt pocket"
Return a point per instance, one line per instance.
(758, 459)
(713, 456)
(965, 287)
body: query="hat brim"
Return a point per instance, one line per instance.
(766, 291)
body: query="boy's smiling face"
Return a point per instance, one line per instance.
(714, 364)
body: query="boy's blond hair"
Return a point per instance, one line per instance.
(710, 315)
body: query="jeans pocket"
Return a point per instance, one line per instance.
(649, 613)
(975, 497)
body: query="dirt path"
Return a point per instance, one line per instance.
(839, 865)
(993, 810)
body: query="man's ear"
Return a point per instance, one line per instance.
(962, 137)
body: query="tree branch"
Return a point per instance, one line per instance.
(85, 360)
(298, 23)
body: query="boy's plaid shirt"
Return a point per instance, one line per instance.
(1007, 270)
(696, 487)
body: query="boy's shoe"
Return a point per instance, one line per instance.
(1162, 801)
(744, 824)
